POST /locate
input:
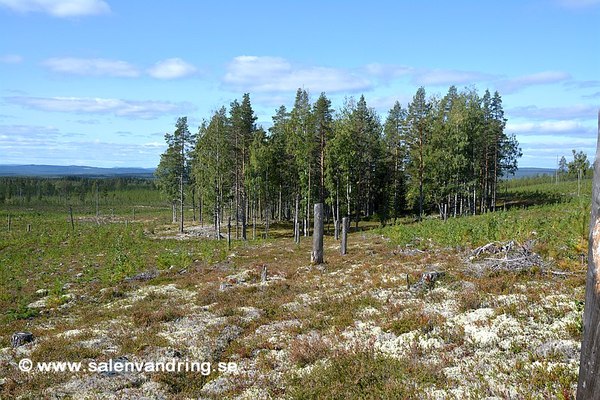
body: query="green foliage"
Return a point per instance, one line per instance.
(559, 230)
(579, 165)
(173, 171)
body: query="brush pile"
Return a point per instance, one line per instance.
(504, 256)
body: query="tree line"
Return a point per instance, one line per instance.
(72, 190)
(437, 154)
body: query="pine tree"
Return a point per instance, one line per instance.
(323, 123)
(173, 169)
(395, 136)
(419, 125)
(242, 122)
(285, 170)
(303, 148)
(213, 155)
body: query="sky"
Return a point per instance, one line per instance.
(99, 82)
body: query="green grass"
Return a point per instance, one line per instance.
(560, 229)
(53, 254)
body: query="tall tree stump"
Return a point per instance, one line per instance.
(316, 256)
(21, 338)
(588, 386)
(344, 242)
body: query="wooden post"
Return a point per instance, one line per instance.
(588, 386)
(229, 233)
(28, 227)
(9, 222)
(316, 256)
(344, 242)
(263, 274)
(71, 216)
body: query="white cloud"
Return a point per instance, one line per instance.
(275, 74)
(11, 59)
(58, 8)
(171, 68)
(388, 72)
(579, 111)
(384, 103)
(583, 84)
(117, 107)
(549, 141)
(562, 127)
(513, 85)
(20, 133)
(92, 67)
(426, 76)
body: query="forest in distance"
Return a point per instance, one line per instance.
(438, 154)
(442, 155)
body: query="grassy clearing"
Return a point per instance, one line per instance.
(560, 230)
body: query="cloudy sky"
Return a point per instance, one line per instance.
(99, 82)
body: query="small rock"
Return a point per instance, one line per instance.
(143, 276)
(173, 353)
(42, 292)
(21, 338)
(67, 297)
(41, 303)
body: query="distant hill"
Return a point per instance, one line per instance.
(531, 171)
(50, 171)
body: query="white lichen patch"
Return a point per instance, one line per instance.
(170, 291)
(71, 333)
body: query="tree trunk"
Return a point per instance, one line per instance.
(316, 256)
(194, 203)
(279, 207)
(307, 231)
(588, 386)
(254, 220)
(181, 203)
(344, 242)
(296, 224)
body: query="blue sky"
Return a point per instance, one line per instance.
(99, 82)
